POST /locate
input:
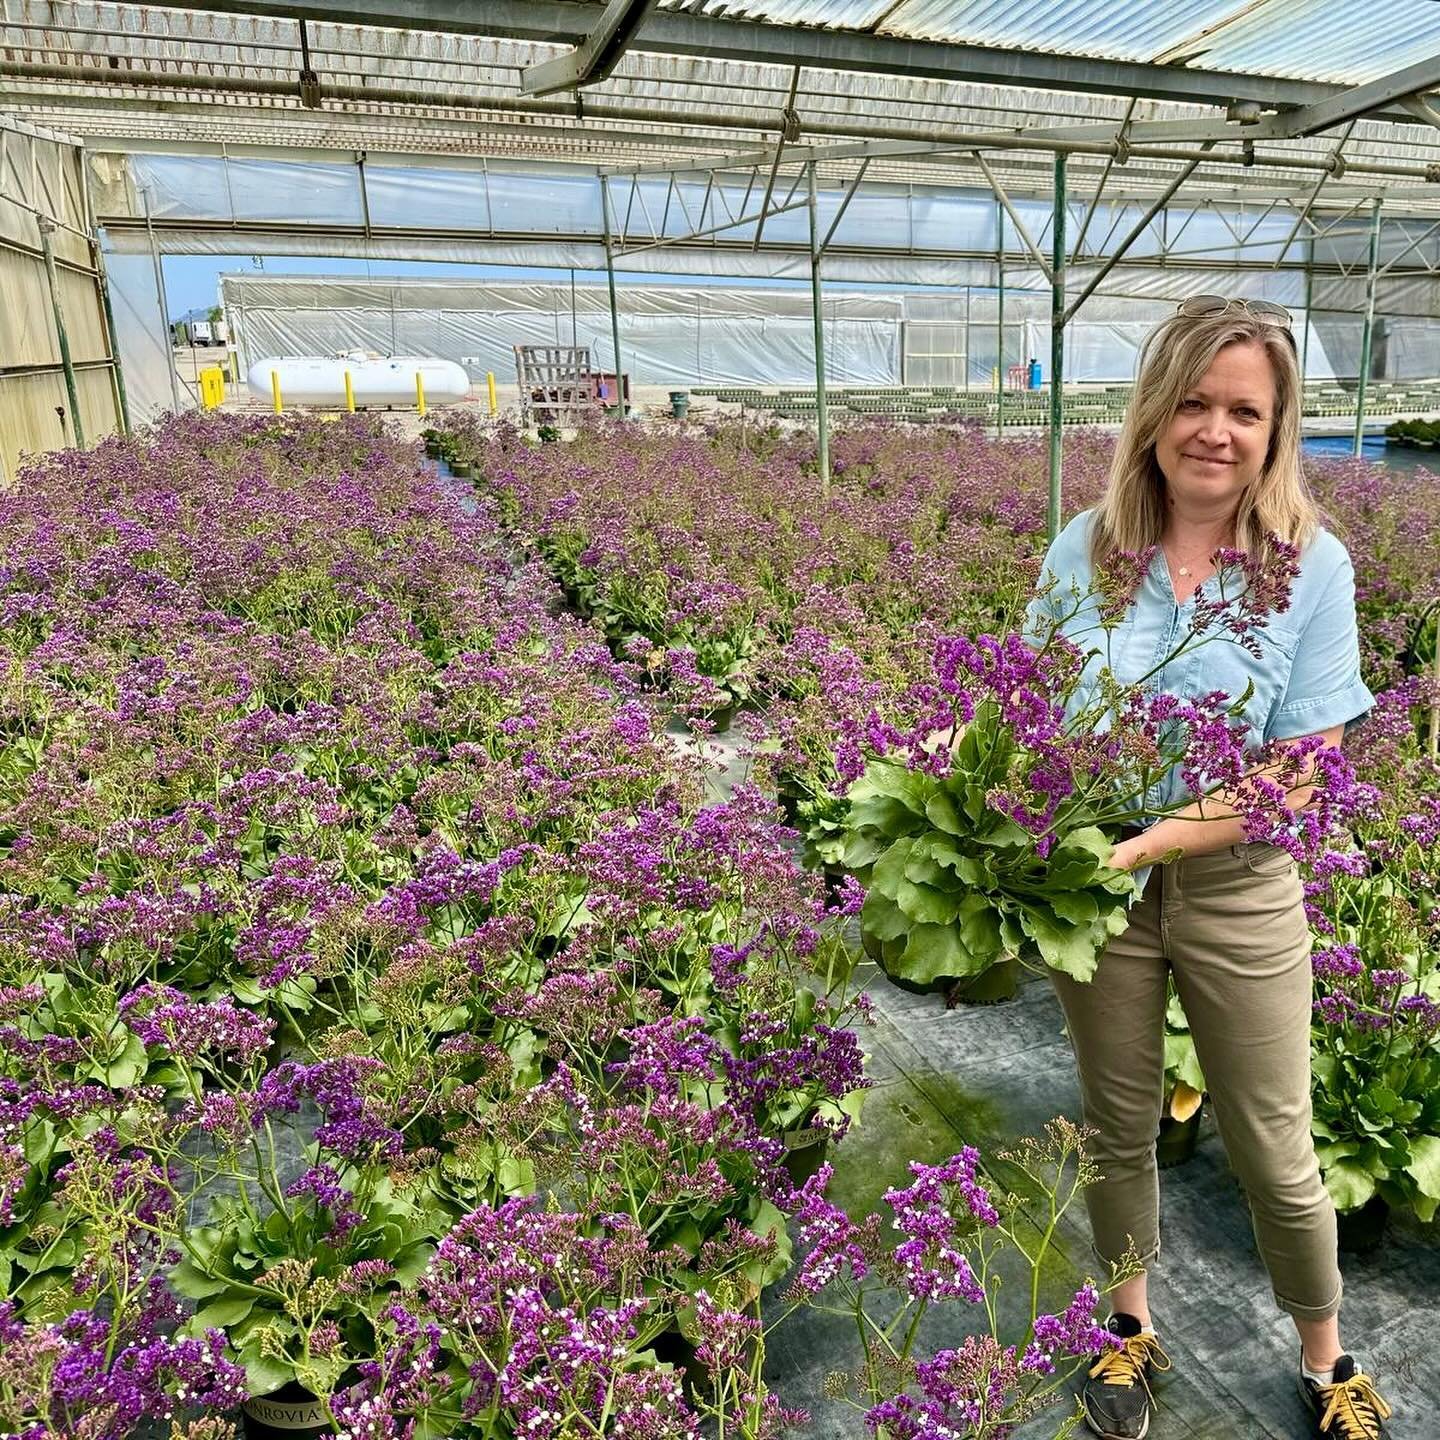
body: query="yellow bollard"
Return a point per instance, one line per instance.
(490, 386)
(275, 390)
(349, 393)
(419, 393)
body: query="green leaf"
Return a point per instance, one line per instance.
(934, 951)
(127, 1067)
(194, 1284)
(859, 851)
(980, 928)
(1005, 835)
(941, 812)
(1424, 1166)
(969, 869)
(1182, 1063)
(1350, 1184)
(220, 1314)
(1065, 947)
(1077, 906)
(922, 870)
(882, 917)
(926, 905)
(264, 1375)
(889, 872)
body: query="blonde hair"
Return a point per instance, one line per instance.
(1174, 357)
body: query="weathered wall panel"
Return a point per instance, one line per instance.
(42, 185)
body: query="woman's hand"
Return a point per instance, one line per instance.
(1130, 854)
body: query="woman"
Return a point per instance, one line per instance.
(1209, 457)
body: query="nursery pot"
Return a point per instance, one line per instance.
(720, 718)
(995, 983)
(289, 1413)
(1175, 1144)
(679, 403)
(804, 1151)
(788, 796)
(464, 472)
(1361, 1231)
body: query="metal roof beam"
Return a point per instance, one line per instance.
(673, 32)
(1366, 99)
(595, 57)
(1168, 132)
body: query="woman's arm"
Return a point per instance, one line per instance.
(1212, 823)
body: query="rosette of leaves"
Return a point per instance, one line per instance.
(291, 1300)
(955, 885)
(1375, 1053)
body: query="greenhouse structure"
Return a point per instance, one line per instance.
(464, 864)
(690, 155)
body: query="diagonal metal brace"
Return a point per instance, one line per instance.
(596, 55)
(1014, 214)
(789, 132)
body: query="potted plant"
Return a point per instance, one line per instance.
(1375, 1040)
(984, 826)
(1184, 1089)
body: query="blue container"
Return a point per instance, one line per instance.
(1034, 374)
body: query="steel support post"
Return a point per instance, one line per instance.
(168, 336)
(967, 337)
(117, 372)
(77, 425)
(822, 409)
(614, 307)
(1057, 344)
(1366, 335)
(1000, 321)
(1309, 300)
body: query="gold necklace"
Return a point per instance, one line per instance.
(1181, 570)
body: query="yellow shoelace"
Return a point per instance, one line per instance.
(1357, 1407)
(1127, 1364)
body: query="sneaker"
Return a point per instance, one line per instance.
(1116, 1396)
(1350, 1408)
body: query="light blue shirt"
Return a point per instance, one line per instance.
(1306, 679)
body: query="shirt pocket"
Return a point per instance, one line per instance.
(1224, 665)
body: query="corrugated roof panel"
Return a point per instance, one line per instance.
(829, 14)
(1345, 44)
(1099, 28)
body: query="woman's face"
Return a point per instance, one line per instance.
(1217, 441)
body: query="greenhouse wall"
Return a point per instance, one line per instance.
(892, 237)
(44, 181)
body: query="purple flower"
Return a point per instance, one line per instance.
(935, 1267)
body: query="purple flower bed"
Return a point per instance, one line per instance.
(383, 1008)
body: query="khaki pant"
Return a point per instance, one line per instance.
(1232, 928)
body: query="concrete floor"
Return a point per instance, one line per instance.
(985, 1075)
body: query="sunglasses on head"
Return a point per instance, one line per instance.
(1200, 307)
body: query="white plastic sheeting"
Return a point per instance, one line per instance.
(503, 213)
(668, 334)
(681, 335)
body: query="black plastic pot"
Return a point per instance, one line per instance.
(804, 1152)
(995, 983)
(289, 1413)
(1361, 1231)
(1175, 1144)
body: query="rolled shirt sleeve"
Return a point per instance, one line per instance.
(1325, 687)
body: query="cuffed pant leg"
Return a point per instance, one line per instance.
(1240, 947)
